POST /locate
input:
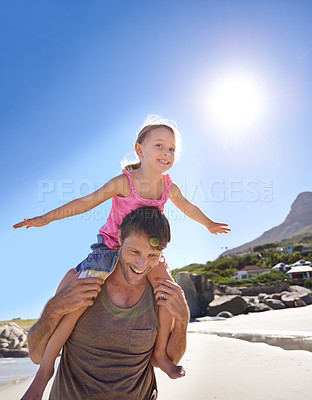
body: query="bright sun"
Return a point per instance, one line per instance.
(236, 102)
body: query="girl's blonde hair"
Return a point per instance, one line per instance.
(153, 122)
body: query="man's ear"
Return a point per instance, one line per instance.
(119, 237)
(138, 150)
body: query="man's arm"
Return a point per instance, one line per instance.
(175, 302)
(72, 294)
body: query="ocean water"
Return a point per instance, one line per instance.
(13, 370)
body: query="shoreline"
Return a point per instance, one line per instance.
(220, 367)
(287, 342)
(12, 383)
(290, 329)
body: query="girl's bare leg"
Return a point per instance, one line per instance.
(54, 346)
(159, 357)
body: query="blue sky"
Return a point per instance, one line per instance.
(78, 79)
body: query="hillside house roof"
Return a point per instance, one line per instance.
(299, 269)
(280, 266)
(254, 268)
(300, 263)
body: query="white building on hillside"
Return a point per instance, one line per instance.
(250, 271)
(300, 271)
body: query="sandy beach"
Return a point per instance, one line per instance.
(225, 368)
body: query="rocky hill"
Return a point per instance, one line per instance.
(297, 222)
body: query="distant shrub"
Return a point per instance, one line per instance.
(270, 278)
(266, 246)
(308, 283)
(298, 248)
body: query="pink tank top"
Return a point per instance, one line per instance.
(121, 206)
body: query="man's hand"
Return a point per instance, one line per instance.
(171, 295)
(74, 293)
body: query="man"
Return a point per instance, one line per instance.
(108, 354)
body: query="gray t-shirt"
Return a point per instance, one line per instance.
(107, 355)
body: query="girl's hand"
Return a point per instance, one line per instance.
(217, 227)
(36, 222)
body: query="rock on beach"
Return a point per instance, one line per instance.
(13, 341)
(204, 297)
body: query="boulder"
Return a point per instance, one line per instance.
(254, 291)
(187, 284)
(204, 289)
(299, 303)
(305, 294)
(217, 291)
(275, 304)
(225, 314)
(5, 331)
(14, 353)
(234, 304)
(297, 297)
(297, 288)
(13, 341)
(250, 299)
(258, 307)
(15, 333)
(22, 337)
(262, 297)
(233, 291)
(276, 296)
(198, 292)
(17, 330)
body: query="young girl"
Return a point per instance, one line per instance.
(140, 184)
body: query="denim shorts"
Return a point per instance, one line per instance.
(100, 263)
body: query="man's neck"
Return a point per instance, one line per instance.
(121, 293)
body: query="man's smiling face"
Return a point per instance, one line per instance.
(137, 258)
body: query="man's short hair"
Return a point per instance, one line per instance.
(149, 221)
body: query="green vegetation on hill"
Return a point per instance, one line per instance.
(266, 246)
(222, 269)
(23, 323)
(271, 278)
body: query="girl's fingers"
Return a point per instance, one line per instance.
(19, 225)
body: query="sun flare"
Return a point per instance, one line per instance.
(236, 102)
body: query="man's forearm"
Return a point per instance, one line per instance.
(176, 305)
(40, 333)
(177, 341)
(72, 294)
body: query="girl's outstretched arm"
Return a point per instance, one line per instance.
(116, 186)
(194, 212)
